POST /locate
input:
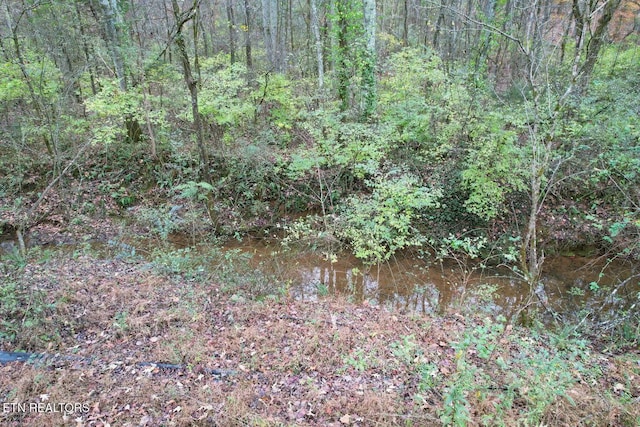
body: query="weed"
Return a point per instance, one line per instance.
(482, 337)
(123, 197)
(25, 315)
(13, 260)
(161, 221)
(322, 289)
(406, 350)
(456, 411)
(537, 374)
(358, 360)
(427, 374)
(10, 298)
(236, 270)
(120, 321)
(412, 356)
(188, 262)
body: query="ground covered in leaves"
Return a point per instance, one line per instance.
(268, 360)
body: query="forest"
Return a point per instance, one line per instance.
(320, 213)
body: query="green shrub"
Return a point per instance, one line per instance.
(495, 165)
(383, 222)
(224, 93)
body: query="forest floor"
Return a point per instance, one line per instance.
(268, 361)
(280, 361)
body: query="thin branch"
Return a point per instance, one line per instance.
(51, 185)
(489, 27)
(176, 28)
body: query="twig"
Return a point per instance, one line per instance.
(24, 222)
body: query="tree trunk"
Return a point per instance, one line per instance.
(111, 21)
(85, 50)
(405, 24)
(439, 23)
(369, 88)
(292, 46)
(196, 53)
(315, 28)
(168, 51)
(280, 32)
(113, 44)
(192, 84)
(247, 38)
(342, 62)
(232, 32)
(40, 107)
(267, 31)
(596, 42)
(327, 35)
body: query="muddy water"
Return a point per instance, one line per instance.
(410, 283)
(413, 284)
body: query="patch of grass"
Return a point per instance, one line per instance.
(235, 271)
(13, 261)
(188, 263)
(160, 221)
(535, 374)
(322, 290)
(242, 278)
(360, 360)
(120, 322)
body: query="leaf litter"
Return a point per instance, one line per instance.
(324, 363)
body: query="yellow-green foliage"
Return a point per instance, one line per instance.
(383, 222)
(223, 97)
(12, 86)
(495, 164)
(111, 107)
(427, 108)
(44, 76)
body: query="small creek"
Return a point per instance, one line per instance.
(412, 284)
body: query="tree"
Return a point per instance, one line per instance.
(181, 18)
(36, 90)
(369, 66)
(247, 36)
(112, 23)
(545, 106)
(583, 13)
(315, 28)
(232, 30)
(344, 12)
(112, 20)
(270, 27)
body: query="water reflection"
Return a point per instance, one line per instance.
(424, 286)
(420, 285)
